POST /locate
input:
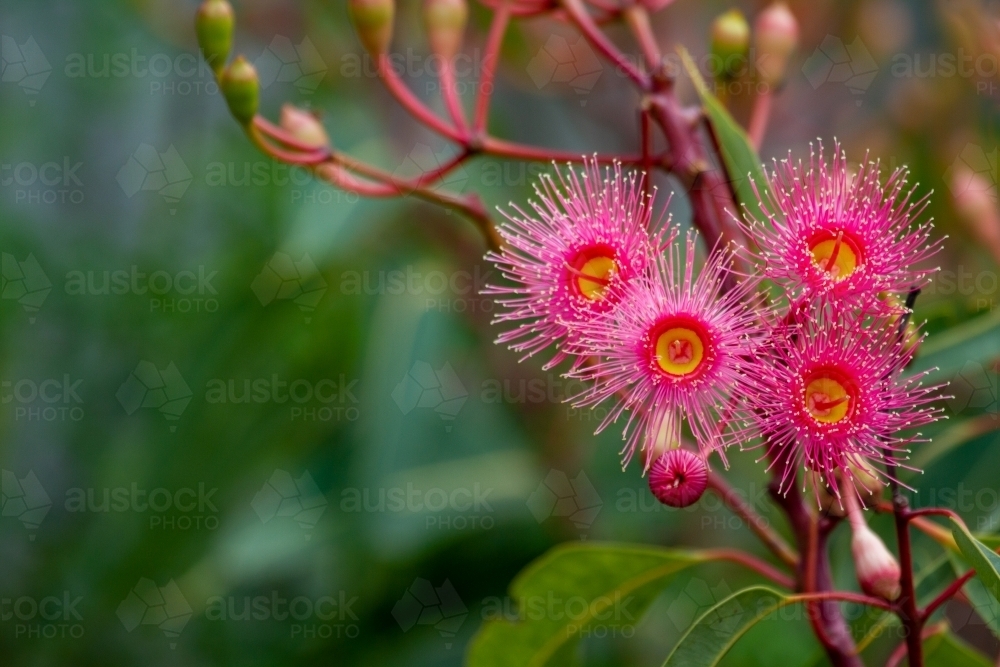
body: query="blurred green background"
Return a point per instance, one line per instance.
(250, 420)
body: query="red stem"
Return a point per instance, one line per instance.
(410, 101)
(758, 524)
(753, 563)
(945, 595)
(449, 92)
(759, 117)
(583, 21)
(490, 57)
(907, 603)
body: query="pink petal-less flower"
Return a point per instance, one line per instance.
(830, 396)
(589, 237)
(676, 348)
(842, 235)
(678, 478)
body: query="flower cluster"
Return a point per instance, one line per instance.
(814, 375)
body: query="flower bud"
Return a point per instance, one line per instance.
(730, 39)
(445, 23)
(678, 478)
(304, 126)
(214, 26)
(373, 23)
(241, 89)
(976, 204)
(911, 334)
(877, 569)
(776, 33)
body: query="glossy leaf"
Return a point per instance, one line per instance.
(944, 649)
(983, 559)
(738, 155)
(976, 341)
(708, 640)
(570, 591)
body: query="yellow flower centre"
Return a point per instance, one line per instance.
(828, 400)
(679, 351)
(594, 277)
(839, 256)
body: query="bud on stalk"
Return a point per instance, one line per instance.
(678, 478)
(373, 23)
(445, 23)
(877, 569)
(304, 126)
(776, 34)
(730, 40)
(214, 26)
(241, 89)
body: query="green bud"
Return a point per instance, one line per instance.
(776, 34)
(241, 89)
(373, 22)
(214, 25)
(445, 23)
(303, 126)
(730, 40)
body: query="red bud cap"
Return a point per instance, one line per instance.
(877, 569)
(304, 126)
(445, 22)
(678, 478)
(214, 26)
(241, 89)
(776, 34)
(730, 40)
(373, 23)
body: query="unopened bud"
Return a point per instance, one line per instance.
(445, 23)
(214, 26)
(241, 89)
(304, 126)
(730, 40)
(776, 34)
(373, 23)
(678, 478)
(976, 204)
(877, 569)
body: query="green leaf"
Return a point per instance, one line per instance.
(944, 649)
(570, 591)
(985, 562)
(976, 341)
(954, 436)
(707, 641)
(739, 157)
